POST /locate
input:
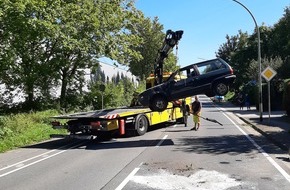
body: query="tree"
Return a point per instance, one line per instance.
(241, 53)
(226, 50)
(98, 32)
(128, 90)
(150, 31)
(280, 43)
(118, 78)
(23, 38)
(170, 63)
(235, 52)
(45, 43)
(252, 71)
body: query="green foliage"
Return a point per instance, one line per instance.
(241, 51)
(253, 67)
(286, 97)
(116, 94)
(170, 63)
(141, 87)
(23, 129)
(279, 44)
(47, 43)
(235, 52)
(150, 31)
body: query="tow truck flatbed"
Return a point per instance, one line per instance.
(105, 113)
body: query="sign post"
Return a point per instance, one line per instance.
(268, 74)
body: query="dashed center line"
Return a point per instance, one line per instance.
(162, 140)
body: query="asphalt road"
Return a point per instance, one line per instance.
(231, 156)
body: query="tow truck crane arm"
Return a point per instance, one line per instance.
(171, 39)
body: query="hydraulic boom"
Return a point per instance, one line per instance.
(171, 40)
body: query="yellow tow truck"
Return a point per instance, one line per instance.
(137, 118)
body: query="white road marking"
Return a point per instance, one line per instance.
(20, 165)
(161, 141)
(281, 170)
(127, 179)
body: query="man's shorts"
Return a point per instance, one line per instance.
(196, 118)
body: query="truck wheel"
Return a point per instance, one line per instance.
(158, 103)
(221, 89)
(141, 124)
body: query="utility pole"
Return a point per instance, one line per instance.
(259, 61)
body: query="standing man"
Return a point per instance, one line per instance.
(196, 111)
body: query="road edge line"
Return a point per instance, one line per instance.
(261, 150)
(127, 179)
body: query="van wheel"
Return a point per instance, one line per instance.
(221, 89)
(141, 124)
(158, 103)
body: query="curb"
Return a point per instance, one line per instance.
(274, 141)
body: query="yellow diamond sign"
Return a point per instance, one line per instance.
(268, 73)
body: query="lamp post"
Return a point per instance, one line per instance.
(259, 62)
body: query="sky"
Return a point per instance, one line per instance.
(207, 22)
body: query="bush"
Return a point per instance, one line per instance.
(286, 97)
(24, 129)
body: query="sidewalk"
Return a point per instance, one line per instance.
(276, 129)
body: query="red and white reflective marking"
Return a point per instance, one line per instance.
(113, 116)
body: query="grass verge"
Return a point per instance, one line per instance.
(26, 129)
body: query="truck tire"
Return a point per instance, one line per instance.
(141, 124)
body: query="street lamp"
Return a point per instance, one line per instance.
(259, 61)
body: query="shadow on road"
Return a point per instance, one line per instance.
(63, 144)
(60, 144)
(95, 145)
(231, 144)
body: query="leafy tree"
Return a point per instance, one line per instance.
(280, 43)
(113, 95)
(118, 78)
(241, 53)
(150, 31)
(98, 32)
(45, 43)
(128, 90)
(235, 52)
(252, 72)
(170, 63)
(122, 76)
(96, 74)
(226, 50)
(23, 38)
(103, 76)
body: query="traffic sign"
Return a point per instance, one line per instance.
(268, 73)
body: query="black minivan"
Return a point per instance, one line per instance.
(211, 78)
